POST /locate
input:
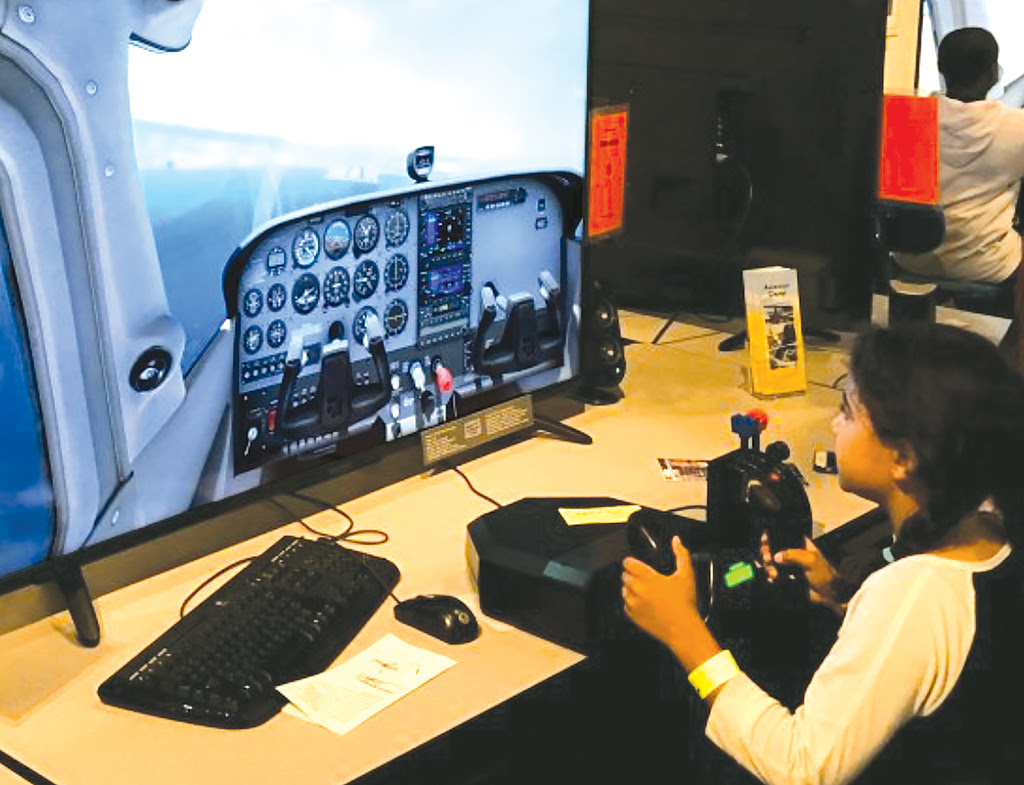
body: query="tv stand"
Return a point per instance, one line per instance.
(561, 431)
(72, 585)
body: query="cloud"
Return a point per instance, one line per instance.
(477, 78)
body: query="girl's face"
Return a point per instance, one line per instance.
(866, 466)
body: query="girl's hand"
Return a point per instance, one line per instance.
(665, 607)
(822, 578)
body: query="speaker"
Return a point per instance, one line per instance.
(602, 357)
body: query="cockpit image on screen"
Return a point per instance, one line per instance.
(380, 316)
(243, 238)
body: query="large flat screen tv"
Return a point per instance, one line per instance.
(245, 238)
(753, 142)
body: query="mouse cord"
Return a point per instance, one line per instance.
(353, 535)
(182, 609)
(208, 581)
(366, 565)
(350, 534)
(473, 488)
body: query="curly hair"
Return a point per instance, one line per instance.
(966, 55)
(949, 396)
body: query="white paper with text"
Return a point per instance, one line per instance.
(341, 698)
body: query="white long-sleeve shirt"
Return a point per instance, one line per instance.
(899, 653)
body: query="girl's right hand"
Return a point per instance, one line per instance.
(822, 578)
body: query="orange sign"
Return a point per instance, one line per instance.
(607, 170)
(909, 166)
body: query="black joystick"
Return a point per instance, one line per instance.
(649, 534)
(650, 540)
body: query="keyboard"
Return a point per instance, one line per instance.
(286, 615)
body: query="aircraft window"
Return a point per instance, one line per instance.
(26, 492)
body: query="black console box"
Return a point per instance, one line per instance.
(538, 573)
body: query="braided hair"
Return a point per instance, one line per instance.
(949, 396)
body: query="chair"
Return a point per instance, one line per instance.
(908, 216)
(908, 227)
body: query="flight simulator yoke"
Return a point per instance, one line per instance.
(537, 569)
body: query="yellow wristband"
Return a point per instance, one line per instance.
(714, 673)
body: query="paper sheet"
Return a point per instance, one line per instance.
(341, 698)
(587, 515)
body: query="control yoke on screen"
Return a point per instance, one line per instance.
(524, 343)
(340, 399)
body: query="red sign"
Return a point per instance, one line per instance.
(607, 170)
(909, 166)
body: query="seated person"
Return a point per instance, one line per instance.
(981, 163)
(923, 679)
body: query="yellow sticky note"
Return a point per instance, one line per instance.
(617, 514)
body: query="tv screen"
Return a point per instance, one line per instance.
(243, 238)
(753, 142)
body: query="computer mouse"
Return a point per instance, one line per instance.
(446, 618)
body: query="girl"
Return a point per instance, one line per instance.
(921, 684)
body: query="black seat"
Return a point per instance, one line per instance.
(907, 227)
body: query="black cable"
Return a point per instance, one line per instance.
(23, 771)
(292, 517)
(472, 487)
(350, 534)
(325, 503)
(208, 581)
(247, 559)
(839, 381)
(688, 507)
(748, 200)
(376, 577)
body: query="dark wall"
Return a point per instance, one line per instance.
(752, 140)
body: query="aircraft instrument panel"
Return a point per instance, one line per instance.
(376, 313)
